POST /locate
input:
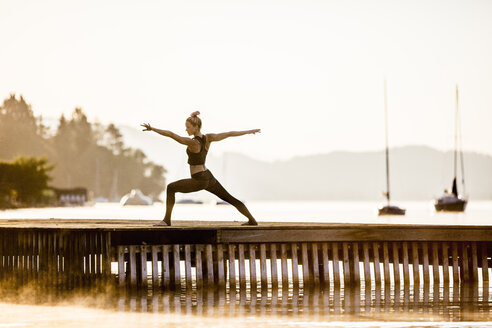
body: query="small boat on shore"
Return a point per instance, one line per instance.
(136, 197)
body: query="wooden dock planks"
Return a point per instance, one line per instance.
(81, 257)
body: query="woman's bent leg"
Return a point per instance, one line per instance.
(218, 190)
(184, 186)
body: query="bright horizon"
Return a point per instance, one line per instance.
(309, 74)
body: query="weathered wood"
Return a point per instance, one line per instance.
(242, 267)
(445, 262)
(121, 265)
(435, 262)
(306, 273)
(485, 262)
(425, 258)
(283, 262)
(273, 265)
(188, 277)
(232, 267)
(315, 264)
(176, 266)
(77, 258)
(386, 264)
(155, 266)
(295, 265)
(474, 261)
(356, 266)
(336, 265)
(349, 233)
(220, 266)
(198, 265)
(346, 264)
(263, 267)
(143, 265)
(367, 267)
(377, 267)
(406, 272)
(464, 262)
(133, 265)
(252, 267)
(396, 262)
(326, 266)
(165, 267)
(454, 251)
(210, 264)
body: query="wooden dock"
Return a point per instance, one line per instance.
(197, 254)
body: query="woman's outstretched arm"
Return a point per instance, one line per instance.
(224, 135)
(182, 140)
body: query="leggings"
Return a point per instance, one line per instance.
(202, 181)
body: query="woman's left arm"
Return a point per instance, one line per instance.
(224, 135)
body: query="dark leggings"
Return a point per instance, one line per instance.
(202, 181)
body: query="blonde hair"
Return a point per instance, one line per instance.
(194, 119)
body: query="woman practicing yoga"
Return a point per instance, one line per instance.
(201, 177)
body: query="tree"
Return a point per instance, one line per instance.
(19, 129)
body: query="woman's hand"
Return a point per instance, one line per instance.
(255, 131)
(146, 126)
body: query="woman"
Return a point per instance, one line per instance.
(201, 177)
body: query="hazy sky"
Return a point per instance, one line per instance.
(308, 73)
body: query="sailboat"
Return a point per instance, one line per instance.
(388, 209)
(452, 201)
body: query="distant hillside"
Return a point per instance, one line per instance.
(417, 172)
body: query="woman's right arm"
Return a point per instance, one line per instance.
(182, 140)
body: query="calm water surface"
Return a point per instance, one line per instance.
(364, 306)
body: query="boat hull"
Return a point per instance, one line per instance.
(391, 210)
(457, 206)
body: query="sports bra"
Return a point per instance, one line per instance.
(198, 158)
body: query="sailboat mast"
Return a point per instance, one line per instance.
(387, 150)
(456, 135)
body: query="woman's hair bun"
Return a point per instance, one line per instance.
(195, 114)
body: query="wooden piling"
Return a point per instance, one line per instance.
(220, 266)
(306, 276)
(386, 264)
(435, 262)
(165, 267)
(232, 267)
(425, 257)
(485, 264)
(273, 265)
(454, 251)
(406, 272)
(377, 267)
(242, 267)
(315, 264)
(252, 267)
(336, 264)
(283, 262)
(325, 260)
(295, 265)
(445, 262)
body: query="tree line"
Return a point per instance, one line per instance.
(78, 153)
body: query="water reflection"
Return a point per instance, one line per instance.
(466, 302)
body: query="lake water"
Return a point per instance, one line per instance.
(363, 306)
(477, 213)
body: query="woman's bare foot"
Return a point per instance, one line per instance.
(250, 222)
(163, 223)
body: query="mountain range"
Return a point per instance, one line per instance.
(417, 172)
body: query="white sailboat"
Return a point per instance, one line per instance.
(388, 209)
(452, 201)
